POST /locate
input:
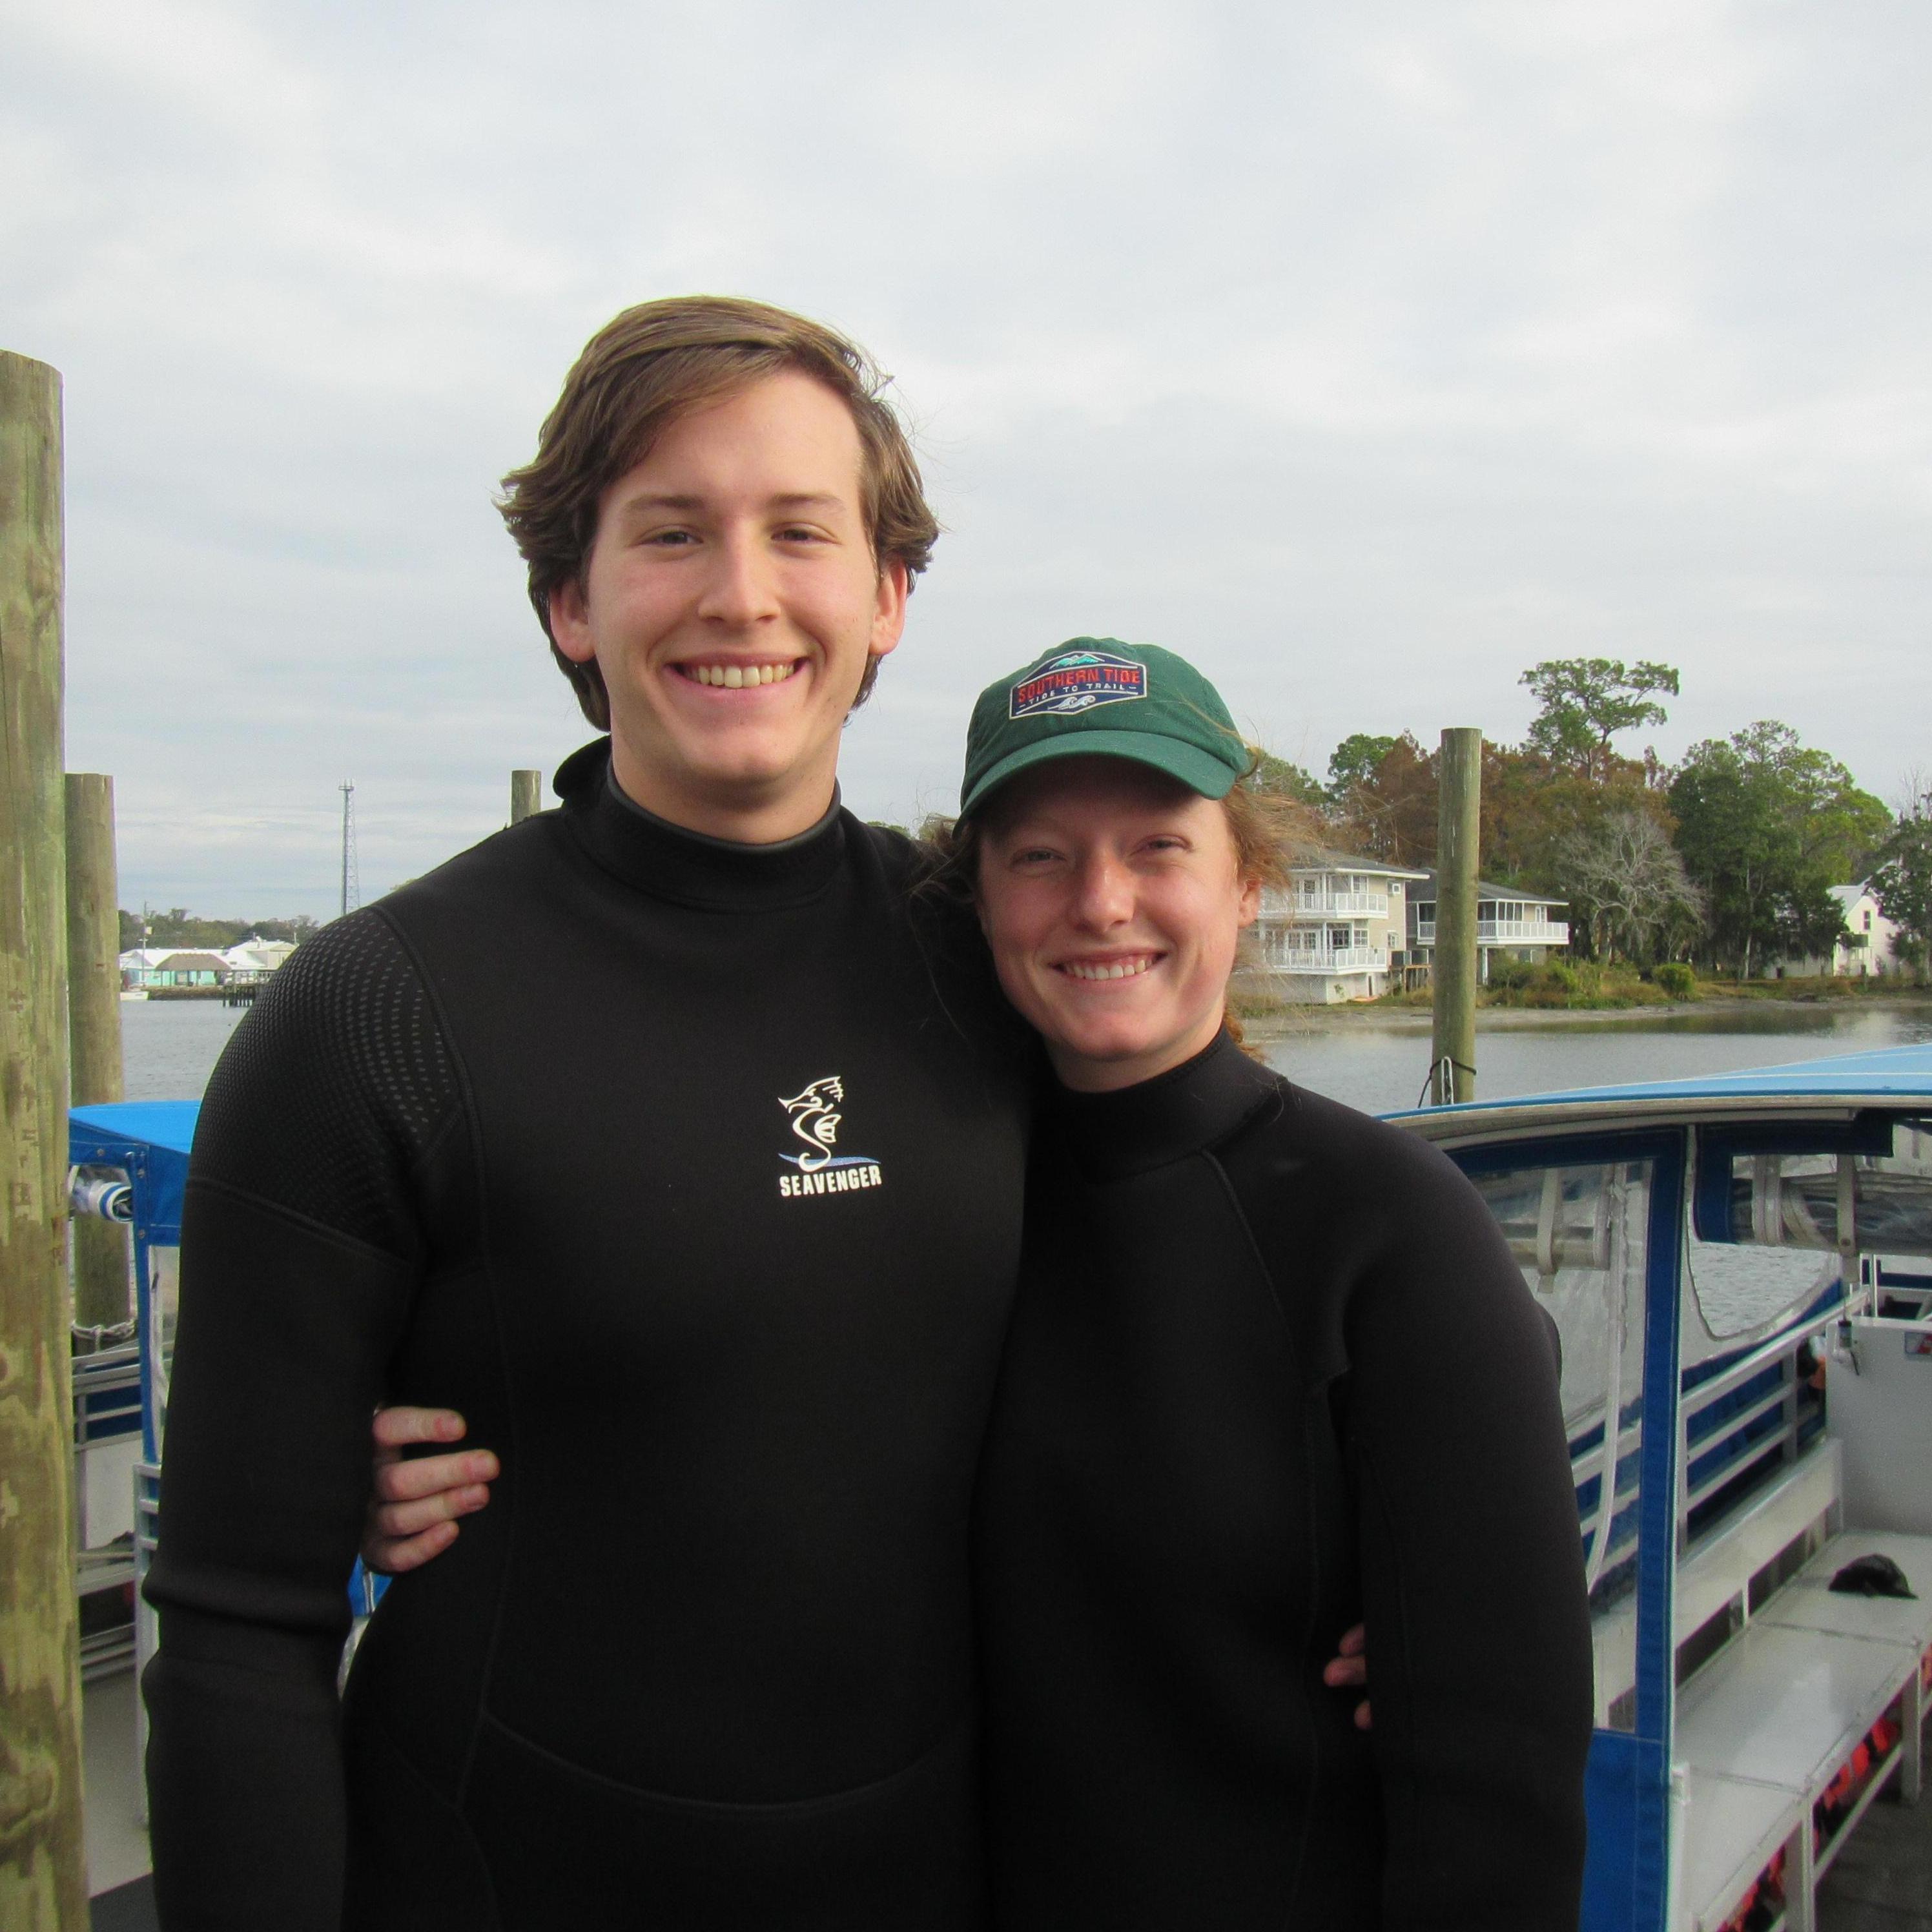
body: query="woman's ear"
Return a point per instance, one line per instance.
(1251, 902)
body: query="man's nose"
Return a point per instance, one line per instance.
(1104, 894)
(740, 587)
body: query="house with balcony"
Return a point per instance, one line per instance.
(1512, 925)
(1337, 931)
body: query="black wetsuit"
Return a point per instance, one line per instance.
(691, 1174)
(1272, 1369)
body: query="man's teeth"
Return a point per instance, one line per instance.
(735, 677)
(1118, 969)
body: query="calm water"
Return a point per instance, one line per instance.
(1374, 1063)
(1380, 1064)
(169, 1047)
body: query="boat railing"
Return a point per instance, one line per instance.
(1728, 1450)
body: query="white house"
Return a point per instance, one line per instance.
(256, 958)
(1335, 933)
(1868, 951)
(1511, 925)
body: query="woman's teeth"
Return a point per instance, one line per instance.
(735, 677)
(1116, 969)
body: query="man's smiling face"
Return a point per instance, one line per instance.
(732, 602)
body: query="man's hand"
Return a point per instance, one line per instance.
(413, 1504)
(1350, 1665)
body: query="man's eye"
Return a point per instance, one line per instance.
(669, 539)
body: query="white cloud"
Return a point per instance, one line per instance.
(1373, 353)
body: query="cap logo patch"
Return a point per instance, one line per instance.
(1077, 681)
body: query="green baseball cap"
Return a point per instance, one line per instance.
(1097, 696)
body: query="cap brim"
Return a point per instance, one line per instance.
(1199, 770)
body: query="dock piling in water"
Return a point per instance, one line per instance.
(525, 795)
(1459, 830)
(43, 1857)
(93, 1026)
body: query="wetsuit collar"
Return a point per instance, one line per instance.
(1176, 1114)
(671, 863)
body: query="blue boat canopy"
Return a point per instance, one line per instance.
(150, 1140)
(1893, 1074)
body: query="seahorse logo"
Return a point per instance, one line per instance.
(813, 1121)
(822, 1170)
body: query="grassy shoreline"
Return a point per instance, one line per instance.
(1596, 994)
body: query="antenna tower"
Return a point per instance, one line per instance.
(351, 881)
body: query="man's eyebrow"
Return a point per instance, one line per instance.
(659, 500)
(646, 501)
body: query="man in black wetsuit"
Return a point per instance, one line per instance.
(663, 1137)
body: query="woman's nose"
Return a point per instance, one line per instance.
(1105, 894)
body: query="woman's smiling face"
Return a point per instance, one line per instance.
(1113, 901)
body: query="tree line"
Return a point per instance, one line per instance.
(177, 928)
(1727, 857)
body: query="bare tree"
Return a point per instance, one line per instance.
(1624, 878)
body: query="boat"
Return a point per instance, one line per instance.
(1739, 1269)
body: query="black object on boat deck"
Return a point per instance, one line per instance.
(1873, 1577)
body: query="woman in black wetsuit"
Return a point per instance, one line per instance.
(1272, 1371)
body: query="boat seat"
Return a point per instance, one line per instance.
(1766, 1729)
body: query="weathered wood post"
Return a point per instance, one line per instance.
(525, 795)
(43, 1862)
(93, 1026)
(1458, 838)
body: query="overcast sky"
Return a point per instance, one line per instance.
(1368, 354)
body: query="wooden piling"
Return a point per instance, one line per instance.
(1459, 832)
(525, 795)
(100, 1284)
(43, 1857)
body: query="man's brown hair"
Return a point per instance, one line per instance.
(656, 362)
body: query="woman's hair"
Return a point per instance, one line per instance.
(1267, 830)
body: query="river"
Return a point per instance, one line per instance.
(1377, 1061)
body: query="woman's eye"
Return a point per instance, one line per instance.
(669, 539)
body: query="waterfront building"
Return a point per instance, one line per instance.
(253, 960)
(145, 966)
(1867, 948)
(1512, 925)
(1337, 931)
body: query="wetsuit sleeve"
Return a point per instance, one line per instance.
(300, 1245)
(1479, 1640)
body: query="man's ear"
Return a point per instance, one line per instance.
(570, 622)
(888, 612)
